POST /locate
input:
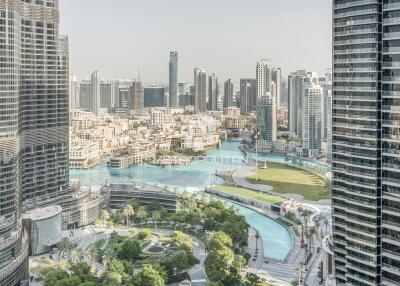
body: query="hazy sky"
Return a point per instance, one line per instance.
(225, 37)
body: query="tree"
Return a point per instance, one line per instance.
(76, 255)
(220, 240)
(106, 258)
(141, 213)
(156, 216)
(148, 276)
(130, 250)
(180, 261)
(104, 216)
(112, 278)
(218, 264)
(90, 254)
(116, 266)
(65, 246)
(183, 241)
(253, 280)
(127, 213)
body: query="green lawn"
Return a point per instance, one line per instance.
(273, 200)
(290, 180)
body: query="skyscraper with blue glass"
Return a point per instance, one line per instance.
(366, 142)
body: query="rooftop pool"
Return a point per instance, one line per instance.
(276, 238)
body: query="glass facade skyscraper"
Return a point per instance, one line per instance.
(173, 80)
(366, 142)
(200, 90)
(34, 122)
(154, 96)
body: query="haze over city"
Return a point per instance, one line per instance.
(226, 37)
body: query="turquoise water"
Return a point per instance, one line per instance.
(277, 241)
(276, 238)
(196, 174)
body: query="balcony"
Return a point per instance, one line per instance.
(389, 282)
(13, 238)
(355, 3)
(17, 262)
(390, 268)
(391, 6)
(356, 51)
(391, 240)
(391, 224)
(356, 32)
(392, 35)
(355, 12)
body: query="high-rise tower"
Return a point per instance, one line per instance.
(366, 142)
(264, 77)
(34, 121)
(173, 80)
(228, 93)
(200, 90)
(95, 93)
(213, 92)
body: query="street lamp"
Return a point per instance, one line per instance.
(257, 137)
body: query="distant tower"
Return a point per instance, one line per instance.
(312, 120)
(266, 118)
(264, 77)
(213, 92)
(136, 96)
(173, 80)
(296, 86)
(200, 90)
(95, 92)
(248, 95)
(277, 79)
(228, 93)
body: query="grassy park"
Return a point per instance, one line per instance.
(290, 180)
(271, 199)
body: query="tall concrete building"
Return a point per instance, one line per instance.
(296, 87)
(228, 93)
(264, 77)
(34, 122)
(200, 90)
(73, 93)
(277, 79)
(312, 121)
(213, 93)
(108, 92)
(248, 95)
(95, 93)
(154, 96)
(173, 80)
(85, 95)
(136, 96)
(266, 118)
(366, 142)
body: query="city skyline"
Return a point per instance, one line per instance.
(147, 52)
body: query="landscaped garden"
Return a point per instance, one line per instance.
(271, 199)
(133, 256)
(290, 180)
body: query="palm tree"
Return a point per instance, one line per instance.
(76, 255)
(127, 213)
(104, 216)
(106, 259)
(156, 216)
(141, 213)
(64, 246)
(90, 254)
